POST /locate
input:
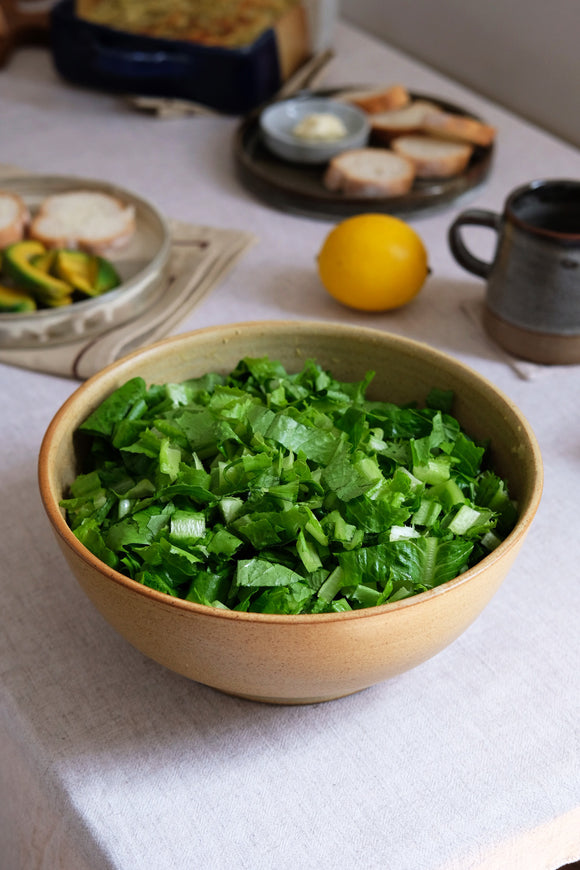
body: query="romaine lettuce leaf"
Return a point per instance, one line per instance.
(279, 492)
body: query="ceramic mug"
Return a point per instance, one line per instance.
(532, 303)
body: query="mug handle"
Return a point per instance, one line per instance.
(474, 217)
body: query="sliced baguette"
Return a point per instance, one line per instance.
(398, 122)
(369, 172)
(90, 220)
(382, 99)
(14, 217)
(458, 127)
(433, 157)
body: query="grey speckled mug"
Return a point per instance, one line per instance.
(532, 303)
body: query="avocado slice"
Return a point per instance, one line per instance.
(44, 262)
(45, 288)
(107, 276)
(13, 301)
(90, 274)
(78, 269)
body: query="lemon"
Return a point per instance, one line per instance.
(373, 262)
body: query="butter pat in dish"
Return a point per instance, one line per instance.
(320, 127)
(312, 129)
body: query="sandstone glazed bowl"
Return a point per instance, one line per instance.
(298, 659)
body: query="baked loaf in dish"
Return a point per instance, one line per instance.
(432, 157)
(14, 217)
(226, 23)
(369, 172)
(88, 220)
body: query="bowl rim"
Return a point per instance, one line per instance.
(62, 529)
(274, 132)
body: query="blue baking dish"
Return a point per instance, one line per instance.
(232, 81)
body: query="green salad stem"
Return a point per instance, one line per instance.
(283, 493)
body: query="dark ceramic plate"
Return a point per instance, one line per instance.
(298, 188)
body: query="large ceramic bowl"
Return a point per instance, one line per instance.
(298, 659)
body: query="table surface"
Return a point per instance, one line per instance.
(108, 760)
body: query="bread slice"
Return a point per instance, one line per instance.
(432, 157)
(86, 219)
(458, 127)
(369, 172)
(382, 99)
(14, 217)
(398, 122)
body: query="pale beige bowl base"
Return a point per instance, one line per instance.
(298, 659)
(290, 660)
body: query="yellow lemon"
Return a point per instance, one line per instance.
(373, 262)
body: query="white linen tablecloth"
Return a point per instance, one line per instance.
(110, 762)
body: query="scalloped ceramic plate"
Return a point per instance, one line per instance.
(141, 264)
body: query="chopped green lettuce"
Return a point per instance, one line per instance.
(272, 492)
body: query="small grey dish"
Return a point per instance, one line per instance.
(278, 121)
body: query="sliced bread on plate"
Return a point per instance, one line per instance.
(87, 219)
(432, 157)
(399, 122)
(381, 99)
(369, 172)
(458, 127)
(14, 218)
